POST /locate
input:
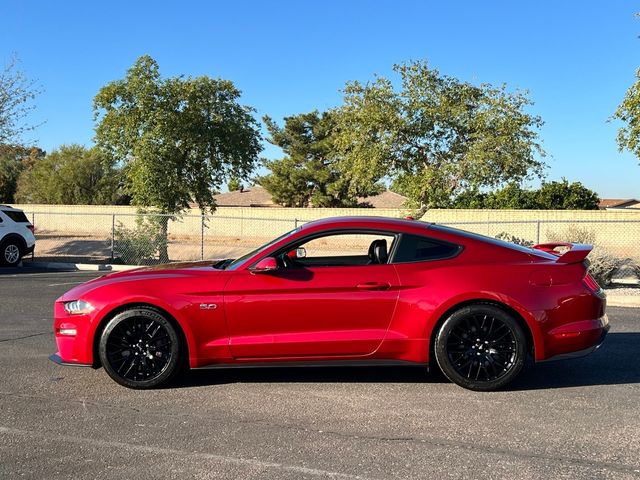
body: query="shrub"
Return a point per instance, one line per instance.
(573, 234)
(602, 265)
(636, 269)
(139, 245)
(507, 237)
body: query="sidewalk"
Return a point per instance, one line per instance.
(623, 297)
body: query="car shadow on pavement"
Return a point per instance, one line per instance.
(309, 374)
(614, 363)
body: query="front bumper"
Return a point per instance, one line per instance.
(73, 349)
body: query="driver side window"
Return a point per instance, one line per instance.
(342, 249)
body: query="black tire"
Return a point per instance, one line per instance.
(481, 347)
(10, 253)
(140, 348)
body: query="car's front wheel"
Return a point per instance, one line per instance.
(10, 253)
(481, 347)
(140, 348)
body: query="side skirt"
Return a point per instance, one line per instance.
(316, 363)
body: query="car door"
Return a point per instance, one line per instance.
(341, 307)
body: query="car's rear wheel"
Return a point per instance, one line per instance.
(10, 253)
(481, 347)
(140, 348)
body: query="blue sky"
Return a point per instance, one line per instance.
(576, 58)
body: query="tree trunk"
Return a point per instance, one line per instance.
(163, 247)
(420, 212)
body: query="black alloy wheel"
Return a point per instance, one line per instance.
(481, 347)
(140, 348)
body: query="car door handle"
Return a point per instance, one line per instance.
(373, 286)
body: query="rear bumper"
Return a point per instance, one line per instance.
(29, 250)
(578, 339)
(55, 358)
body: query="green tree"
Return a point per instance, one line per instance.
(566, 196)
(72, 175)
(550, 196)
(629, 113)
(16, 96)
(178, 138)
(234, 185)
(14, 159)
(470, 199)
(309, 174)
(512, 196)
(436, 136)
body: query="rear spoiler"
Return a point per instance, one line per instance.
(575, 252)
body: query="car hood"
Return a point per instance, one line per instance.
(157, 272)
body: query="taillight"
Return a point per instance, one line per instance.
(591, 283)
(32, 228)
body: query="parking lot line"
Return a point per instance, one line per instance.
(11, 276)
(65, 283)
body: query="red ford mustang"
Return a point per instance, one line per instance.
(358, 290)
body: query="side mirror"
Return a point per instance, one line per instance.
(267, 264)
(299, 252)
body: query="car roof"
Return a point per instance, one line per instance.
(496, 242)
(367, 220)
(9, 207)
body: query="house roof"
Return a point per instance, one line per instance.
(618, 203)
(254, 196)
(257, 196)
(386, 199)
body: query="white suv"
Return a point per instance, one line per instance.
(16, 236)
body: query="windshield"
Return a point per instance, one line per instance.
(239, 261)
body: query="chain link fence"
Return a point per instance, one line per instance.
(620, 238)
(151, 238)
(616, 253)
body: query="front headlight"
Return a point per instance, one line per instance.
(78, 307)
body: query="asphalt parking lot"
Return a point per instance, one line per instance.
(572, 419)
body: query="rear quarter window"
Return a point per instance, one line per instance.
(18, 217)
(414, 248)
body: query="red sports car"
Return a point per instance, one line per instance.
(357, 290)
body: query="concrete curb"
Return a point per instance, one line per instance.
(86, 267)
(623, 300)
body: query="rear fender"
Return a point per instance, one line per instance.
(531, 322)
(18, 239)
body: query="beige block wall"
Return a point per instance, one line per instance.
(617, 231)
(479, 215)
(226, 221)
